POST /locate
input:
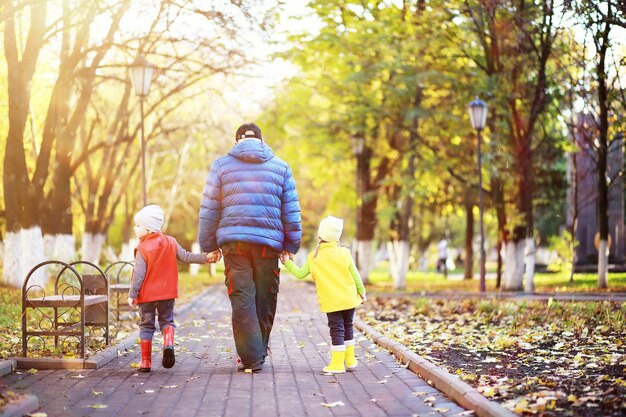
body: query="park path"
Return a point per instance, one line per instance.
(205, 381)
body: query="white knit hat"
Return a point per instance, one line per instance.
(330, 229)
(150, 217)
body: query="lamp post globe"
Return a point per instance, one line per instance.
(478, 113)
(478, 117)
(141, 76)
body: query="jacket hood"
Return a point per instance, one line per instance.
(252, 151)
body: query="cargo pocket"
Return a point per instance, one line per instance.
(268, 252)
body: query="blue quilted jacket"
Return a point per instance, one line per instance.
(250, 196)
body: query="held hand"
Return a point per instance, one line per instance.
(284, 255)
(214, 256)
(131, 302)
(364, 297)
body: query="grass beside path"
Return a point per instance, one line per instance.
(11, 311)
(537, 358)
(417, 281)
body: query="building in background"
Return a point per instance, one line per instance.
(582, 195)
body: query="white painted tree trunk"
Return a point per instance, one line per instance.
(603, 264)
(364, 249)
(128, 250)
(22, 251)
(91, 248)
(60, 247)
(514, 266)
(398, 262)
(194, 269)
(529, 282)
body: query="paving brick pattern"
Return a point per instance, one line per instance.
(205, 382)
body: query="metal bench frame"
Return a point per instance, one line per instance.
(118, 289)
(91, 301)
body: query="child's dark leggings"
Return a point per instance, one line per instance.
(149, 311)
(340, 323)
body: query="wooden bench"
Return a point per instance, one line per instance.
(80, 303)
(120, 286)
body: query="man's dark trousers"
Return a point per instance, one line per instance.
(252, 279)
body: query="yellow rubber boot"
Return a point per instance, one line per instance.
(351, 361)
(337, 358)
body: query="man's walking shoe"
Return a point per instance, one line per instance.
(168, 347)
(146, 356)
(255, 367)
(351, 362)
(337, 358)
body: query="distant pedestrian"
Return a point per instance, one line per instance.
(442, 257)
(154, 285)
(250, 210)
(339, 290)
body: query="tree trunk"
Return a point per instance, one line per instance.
(513, 265)
(24, 242)
(91, 248)
(60, 247)
(497, 191)
(194, 268)
(366, 213)
(23, 250)
(529, 283)
(526, 232)
(398, 262)
(65, 121)
(603, 147)
(469, 236)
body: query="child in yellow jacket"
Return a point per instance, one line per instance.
(339, 290)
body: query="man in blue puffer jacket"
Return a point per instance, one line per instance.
(250, 210)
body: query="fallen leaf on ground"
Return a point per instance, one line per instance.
(97, 406)
(335, 404)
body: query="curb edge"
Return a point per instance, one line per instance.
(459, 391)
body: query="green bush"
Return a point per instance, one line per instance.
(564, 246)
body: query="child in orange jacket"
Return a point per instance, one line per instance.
(154, 285)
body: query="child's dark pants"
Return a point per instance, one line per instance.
(341, 326)
(165, 311)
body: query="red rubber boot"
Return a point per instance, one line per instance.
(168, 347)
(146, 356)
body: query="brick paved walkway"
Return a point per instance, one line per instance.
(205, 381)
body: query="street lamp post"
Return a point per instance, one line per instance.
(358, 143)
(141, 77)
(478, 117)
